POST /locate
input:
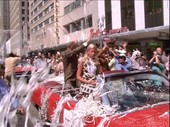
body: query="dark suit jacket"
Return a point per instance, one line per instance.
(70, 62)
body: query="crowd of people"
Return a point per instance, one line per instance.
(80, 63)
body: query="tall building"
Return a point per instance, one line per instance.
(4, 25)
(6, 14)
(143, 23)
(43, 24)
(19, 30)
(1, 20)
(77, 17)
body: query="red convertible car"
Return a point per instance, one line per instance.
(127, 99)
(24, 69)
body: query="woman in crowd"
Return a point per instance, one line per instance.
(88, 68)
(156, 63)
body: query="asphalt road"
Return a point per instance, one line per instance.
(21, 118)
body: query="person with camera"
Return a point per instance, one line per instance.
(156, 62)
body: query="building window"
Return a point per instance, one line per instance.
(23, 18)
(79, 24)
(76, 26)
(73, 6)
(23, 3)
(23, 11)
(35, 10)
(40, 25)
(32, 5)
(52, 19)
(52, 6)
(153, 13)
(40, 15)
(153, 6)
(45, 1)
(35, 1)
(46, 22)
(40, 5)
(89, 21)
(35, 19)
(67, 28)
(36, 28)
(128, 14)
(108, 14)
(67, 9)
(46, 10)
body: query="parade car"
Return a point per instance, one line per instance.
(133, 99)
(23, 69)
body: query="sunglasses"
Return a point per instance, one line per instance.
(121, 58)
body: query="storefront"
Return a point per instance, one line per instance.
(146, 40)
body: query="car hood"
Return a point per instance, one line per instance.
(157, 116)
(19, 69)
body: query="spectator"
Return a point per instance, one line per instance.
(59, 66)
(122, 64)
(53, 64)
(112, 61)
(10, 64)
(49, 58)
(156, 63)
(40, 61)
(129, 54)
(156, 66)
(101, 56)
(167, 65)
(159, 52)
(80, 57)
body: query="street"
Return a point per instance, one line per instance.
(21, 118)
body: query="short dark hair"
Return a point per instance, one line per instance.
(11, 55)
(111, 54)
(122, 57)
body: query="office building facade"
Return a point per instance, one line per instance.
(4, 25)
(143, 23)
(43, 24)
(19, 27)
(1, 20)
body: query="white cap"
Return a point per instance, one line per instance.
(121, 51)
(122, 54)
(58, 53)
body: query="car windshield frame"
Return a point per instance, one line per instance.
(129, 90)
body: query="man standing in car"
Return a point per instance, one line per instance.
(70, 62)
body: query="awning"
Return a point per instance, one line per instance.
(160, 32)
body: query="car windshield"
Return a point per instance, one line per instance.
(135, 90)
